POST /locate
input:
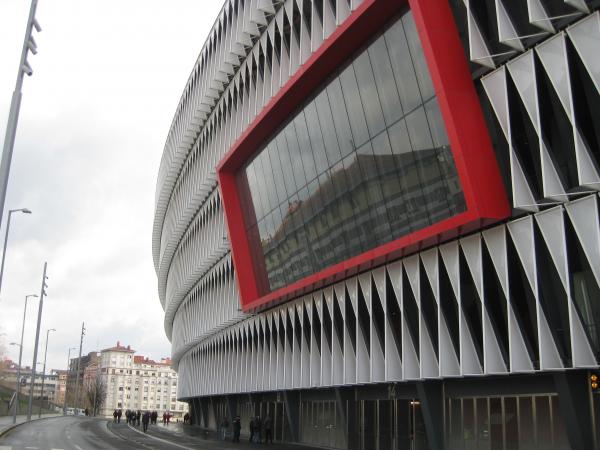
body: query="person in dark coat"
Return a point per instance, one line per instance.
(138, 417)
(164, 418)
(224, 428)
(251, 426)
(237, 428)
(268, 430)
(257, 430)
(115, 416)
(119, 414)
(186, 418)
(154, 417)
(145, 421)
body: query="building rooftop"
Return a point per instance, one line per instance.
(119, 348)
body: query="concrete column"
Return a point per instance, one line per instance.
(431, 396)
(292, 410)
(575, 404)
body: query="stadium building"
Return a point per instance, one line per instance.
(377, 223)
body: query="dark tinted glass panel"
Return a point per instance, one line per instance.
(364, 162)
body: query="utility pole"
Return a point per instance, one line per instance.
(29, 45)
(78, 365)
(37, 340)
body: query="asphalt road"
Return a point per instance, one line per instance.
(86, 433)
(77, 433)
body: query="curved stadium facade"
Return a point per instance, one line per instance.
(377, 223)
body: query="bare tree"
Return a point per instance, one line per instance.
(95, 394)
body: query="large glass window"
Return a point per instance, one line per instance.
(363, 162)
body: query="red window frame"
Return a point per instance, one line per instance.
(476, 165)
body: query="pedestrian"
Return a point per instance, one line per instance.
(119, 414)
(87, 412)
(145, 420)
(224, 428)
(164, 418)
(257, 430)
(186, 418)
(268, 430)
(237, 428)
(168, 418)
(154, 417)
(138, 416)
(251, 426)
(115, 416)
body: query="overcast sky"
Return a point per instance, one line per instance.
(94, 118)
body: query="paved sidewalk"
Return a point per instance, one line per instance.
(194, 437)
(6, 422)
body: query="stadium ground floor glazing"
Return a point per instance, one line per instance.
(554, 410)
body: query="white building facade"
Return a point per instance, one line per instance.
(135, 382)
(377, 222)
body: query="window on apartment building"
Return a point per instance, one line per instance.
(120, 388)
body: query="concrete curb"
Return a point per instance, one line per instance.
(15, 425)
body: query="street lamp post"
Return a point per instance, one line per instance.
(15, 104)
(24, 211)
(44, 371)
(20, 357)
(67, 382)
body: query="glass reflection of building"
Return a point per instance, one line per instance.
(364, 162)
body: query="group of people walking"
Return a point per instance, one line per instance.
(136, 417)
(256, 428)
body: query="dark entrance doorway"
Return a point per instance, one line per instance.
(391, 425)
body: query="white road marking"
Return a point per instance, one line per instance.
(5, 447)
(158, 439)
(78, 447)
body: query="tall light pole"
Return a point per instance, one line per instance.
(37, 340)
(78, 365)
(24, 211)
(15, 104)
(20, 357)
(44, 371)
(67, 382)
